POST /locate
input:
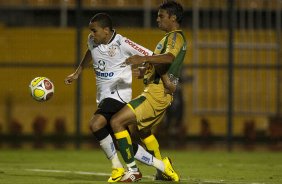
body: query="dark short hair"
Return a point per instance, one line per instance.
(173, 8)
(103, 19)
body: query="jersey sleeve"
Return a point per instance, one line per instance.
(132, 48)
(174, 43)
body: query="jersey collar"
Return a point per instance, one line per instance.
(173, 31)
(113, 36)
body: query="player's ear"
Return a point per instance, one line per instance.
(107, 30)
(173, 17)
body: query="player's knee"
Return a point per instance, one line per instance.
(91, 126)
(114, 123)
(144, 133)
(95, 126)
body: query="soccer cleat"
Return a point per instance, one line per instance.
(117, 174)
(169, 171)
(162, 177)
(131, 176)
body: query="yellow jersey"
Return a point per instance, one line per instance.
(175, 43)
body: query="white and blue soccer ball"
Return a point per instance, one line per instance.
(41, 88)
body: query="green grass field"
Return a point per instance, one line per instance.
(91, 166)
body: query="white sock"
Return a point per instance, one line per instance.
(132, 166)
(109, 149)
(145, 157)
(116, 162)
(158, 164)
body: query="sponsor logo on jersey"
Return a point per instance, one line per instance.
(136, 47)
(159, 46)
(105, 74)
(101, 65)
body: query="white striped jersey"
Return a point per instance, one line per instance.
(113, 77)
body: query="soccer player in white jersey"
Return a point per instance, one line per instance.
(109, 50)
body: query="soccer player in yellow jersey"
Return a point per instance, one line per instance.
(160, 79)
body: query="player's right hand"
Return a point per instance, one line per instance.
(69, 79)
(139, 72)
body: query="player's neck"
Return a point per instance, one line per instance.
(111, 37)
(173, 28)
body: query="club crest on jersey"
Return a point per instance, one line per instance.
(101, 65)
(112, 50)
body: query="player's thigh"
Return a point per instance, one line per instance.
(123, 117)
(142, 108)
(106, 109)
(151, 122)
(97, 122)
(151, 111)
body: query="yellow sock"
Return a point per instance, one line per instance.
(152, 146)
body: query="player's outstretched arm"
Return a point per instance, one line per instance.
(154, 59)
(84, 62)
(160, 62)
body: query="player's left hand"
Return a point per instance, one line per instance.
(169, 87)
(135, 60)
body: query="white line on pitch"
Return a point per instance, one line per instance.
(76, 172)
(87, 173)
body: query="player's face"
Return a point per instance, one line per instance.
(99, 33)
(164, 20)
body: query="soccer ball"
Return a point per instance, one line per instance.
(41, 88)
